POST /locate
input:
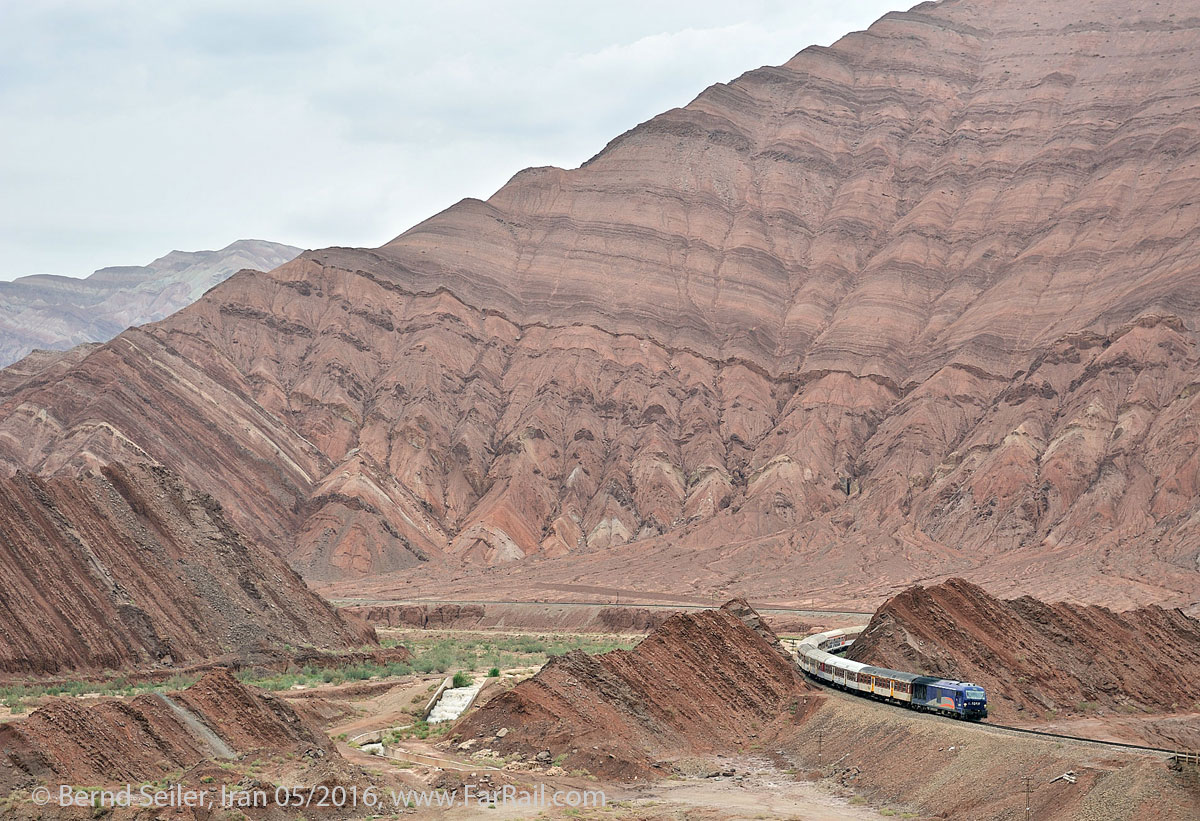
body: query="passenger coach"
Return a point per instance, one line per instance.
(817, 657)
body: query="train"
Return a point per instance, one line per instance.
(818, 656)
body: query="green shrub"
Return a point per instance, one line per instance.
(461, 679)
(494, 672)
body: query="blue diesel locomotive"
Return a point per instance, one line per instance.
(960, 699)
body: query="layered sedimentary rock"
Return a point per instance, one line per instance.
(700, 683)
(128, 567)
(56, 312)
(1034, 657)
(151, 736)
(924, 302)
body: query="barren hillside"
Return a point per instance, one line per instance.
(922, 303)
(126, 567)
(152, 735)
(1037, 659)
(702, 682)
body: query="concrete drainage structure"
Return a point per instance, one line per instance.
(454, 702)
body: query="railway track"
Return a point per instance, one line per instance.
(989, 725)
(1084, 739)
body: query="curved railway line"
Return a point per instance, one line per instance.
(848, 634)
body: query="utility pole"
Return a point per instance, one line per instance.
(1028, 781)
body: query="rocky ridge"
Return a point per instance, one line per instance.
(701, 683)
(149, 736)
(126, 567)
(1037, 659)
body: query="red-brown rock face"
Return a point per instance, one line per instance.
(1032, 656)
(129, 567)
(151, 735)
(924, 302)
(701, 682)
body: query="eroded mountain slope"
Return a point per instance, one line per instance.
(127, 567)
(920, 303)
(1033, 657)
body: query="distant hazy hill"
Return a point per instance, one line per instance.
(57, 312)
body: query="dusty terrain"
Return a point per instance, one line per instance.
(125, 567)
(1041, 661)
(932, 766)
(701, 683)
(922, 303)
(841, 757)
(871, 757)
(58, 312)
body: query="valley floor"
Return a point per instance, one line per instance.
(849, 759)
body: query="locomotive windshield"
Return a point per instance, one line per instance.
(974, 694)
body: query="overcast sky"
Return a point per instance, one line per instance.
(134, 128)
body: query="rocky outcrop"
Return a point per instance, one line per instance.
(42, 367)
(127, 567)
(57, 312)
(702, 682)
(1034, 657)
(150, 736)
(919, 304)
(750, 617)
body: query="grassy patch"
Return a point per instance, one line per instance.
(436, 653)
(484, 651)
(17, 697)
(418, 729)
(310, 676)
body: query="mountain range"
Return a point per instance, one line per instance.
(51, 312)
(922, 303)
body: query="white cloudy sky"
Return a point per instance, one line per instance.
(133, 127)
